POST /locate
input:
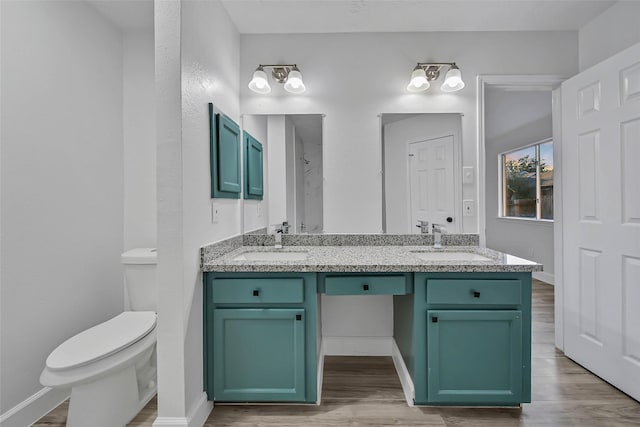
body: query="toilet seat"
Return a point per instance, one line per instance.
(102, 340)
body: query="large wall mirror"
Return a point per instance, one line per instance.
(422, 162)
(293, 177)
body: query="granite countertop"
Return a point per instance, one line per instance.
(364, 258)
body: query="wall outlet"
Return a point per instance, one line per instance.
(215, 213)
(467, 208)
(467, 175)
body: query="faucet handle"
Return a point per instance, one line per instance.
(423, 226)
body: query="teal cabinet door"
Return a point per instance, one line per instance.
(225, 156)
(259, 355)
(474, 356)
(253, 171)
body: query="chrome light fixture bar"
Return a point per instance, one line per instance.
(425, 72)
(287, 74)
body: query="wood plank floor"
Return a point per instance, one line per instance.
(365, 391)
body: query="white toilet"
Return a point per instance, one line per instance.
(111, 368)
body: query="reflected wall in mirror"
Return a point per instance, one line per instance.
(293, 178)
(422, 163)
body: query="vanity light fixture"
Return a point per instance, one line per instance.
(288, 74)
(425, 72)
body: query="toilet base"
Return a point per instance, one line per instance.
(108, 402)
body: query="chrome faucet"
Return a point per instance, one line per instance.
(277, 232)
(423, 226)
(438, 229)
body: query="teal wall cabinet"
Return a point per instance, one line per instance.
(471, 338)
(260, 337)
(253, 168)
(225, 156)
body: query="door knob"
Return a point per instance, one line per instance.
(449, 219)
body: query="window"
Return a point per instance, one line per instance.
(527, 182)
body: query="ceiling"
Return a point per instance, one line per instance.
(348, 16)
(129, 15)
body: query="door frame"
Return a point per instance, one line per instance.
(457, 171)
(542, 82)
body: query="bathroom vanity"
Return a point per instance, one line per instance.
(462, 317)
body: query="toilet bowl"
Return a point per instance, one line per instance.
(111, 367)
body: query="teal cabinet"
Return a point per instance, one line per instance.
(261, 337)
(474, 356)
(225, 156)
(471, 338)
(253, 168)
(261, 355)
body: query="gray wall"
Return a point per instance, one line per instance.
(513, 120)
(62, 183)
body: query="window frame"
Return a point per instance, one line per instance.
(501, 183)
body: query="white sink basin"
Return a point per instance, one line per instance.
(450, 256)
(271, 256)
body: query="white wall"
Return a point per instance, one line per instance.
(62, 182)
(612, 31)
(513, 120)
(140, 224)
(396, 137)
(197, 62)
(256, 211)
(352, 78)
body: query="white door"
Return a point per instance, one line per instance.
(601, 219)
(431, 184)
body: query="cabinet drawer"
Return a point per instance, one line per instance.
(258, 291)
(365, 285)
(474, 292)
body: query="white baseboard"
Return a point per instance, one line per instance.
(403, 375)
(544, 276)
(357, 346)
(171, 422)
(197, 416)
(34, 407)
(200, 411)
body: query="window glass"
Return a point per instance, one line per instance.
(519, 183)
(527, 182)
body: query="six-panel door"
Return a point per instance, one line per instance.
(474, 356)
(260, 354)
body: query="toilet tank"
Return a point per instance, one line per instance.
(140, 278)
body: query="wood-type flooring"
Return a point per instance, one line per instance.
(365, 391)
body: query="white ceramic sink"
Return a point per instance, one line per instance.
(271, 256)
(450, 256)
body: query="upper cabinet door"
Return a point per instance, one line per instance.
(225, 157)
(253, 173)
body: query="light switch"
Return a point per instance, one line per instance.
(467, 175)
(467, 208)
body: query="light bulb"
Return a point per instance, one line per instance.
(259, 82)
(453, 80)
(418, 81)
(294, 82)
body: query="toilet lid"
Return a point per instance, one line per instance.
(102, 340)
